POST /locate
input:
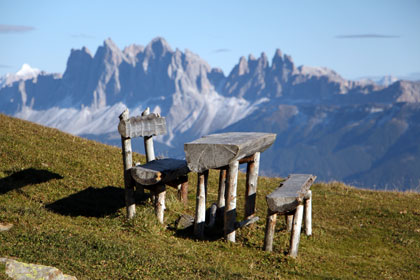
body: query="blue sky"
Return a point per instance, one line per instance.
(354, 38)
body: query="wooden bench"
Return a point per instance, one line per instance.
(291, 198)
(156, 173)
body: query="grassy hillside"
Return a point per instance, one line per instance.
(65, 197)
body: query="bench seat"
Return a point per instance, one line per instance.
(159, 171)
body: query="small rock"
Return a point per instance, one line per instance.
(184, 221)
(22, 271)
(5, 226)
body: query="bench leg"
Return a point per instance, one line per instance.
(160, 194)
(200, 209)
(308, 213)
(130, 202)
(251, 185)
(269, 231)
(183, 193)
(289, 221)
(230, 208)
(297, 226)
(139, 190)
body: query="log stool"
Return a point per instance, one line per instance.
(292, 198)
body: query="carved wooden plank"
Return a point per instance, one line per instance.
(290, 193)
(150, 125)
(159, 171)
(217, 150)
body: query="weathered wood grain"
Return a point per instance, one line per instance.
(290, 193)
(149, 125)
(159, 171)
(217, 150)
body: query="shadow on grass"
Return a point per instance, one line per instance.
(30, 176)
(92, 202)
(210, 234)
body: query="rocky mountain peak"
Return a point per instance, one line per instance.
(108, 43)
(263, 60)
(278, 54)
(283, 63)
(243, 65)
(109, 53)
(86, 51)
(132, 51)
(158, 47)
(79, 59)
(251, 57)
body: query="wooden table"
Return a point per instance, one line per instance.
(226, 151)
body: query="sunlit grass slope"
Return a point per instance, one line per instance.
(64, 195)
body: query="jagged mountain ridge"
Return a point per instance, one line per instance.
(174, 83)
(298, 103)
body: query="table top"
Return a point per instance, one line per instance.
(218, 150)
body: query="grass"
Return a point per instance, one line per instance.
(64, 195)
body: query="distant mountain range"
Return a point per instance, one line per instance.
(359, 132)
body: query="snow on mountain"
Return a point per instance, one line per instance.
(26, 72)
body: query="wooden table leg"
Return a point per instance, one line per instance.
(200, 209)
(251, 186)
(269, 231)
(230, 207)
(222, 189)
